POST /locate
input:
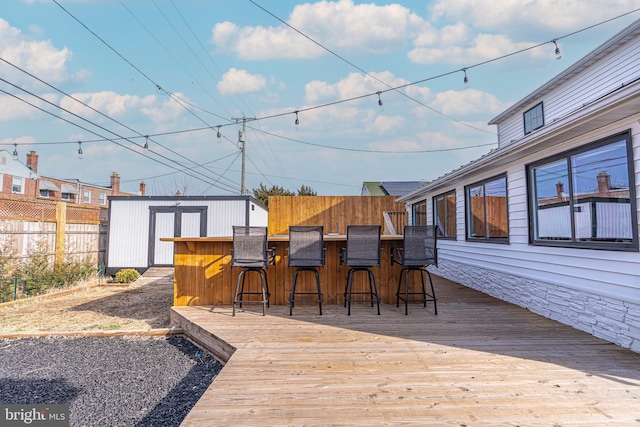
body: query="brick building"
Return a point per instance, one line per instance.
(23, 181)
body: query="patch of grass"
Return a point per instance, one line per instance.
(113, 327)
(93, 327)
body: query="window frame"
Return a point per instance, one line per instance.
(21, 185)
(86, 193)
(103, 198)
(468, 213)
(633, 246)
(442, 230)
(530, 110)
(65, 196)
(414, 212)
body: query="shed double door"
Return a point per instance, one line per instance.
(173, 221)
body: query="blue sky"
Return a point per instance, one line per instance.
(175, 70)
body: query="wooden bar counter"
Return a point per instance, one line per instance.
(203, 273)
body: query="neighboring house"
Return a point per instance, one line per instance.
(389, 188)
(549, 219)
(23, 182)
(136, 225)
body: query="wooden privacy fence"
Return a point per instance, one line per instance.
(334, 212)
(66, 229)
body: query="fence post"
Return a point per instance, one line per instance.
(61, 227)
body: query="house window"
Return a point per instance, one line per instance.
(103, 198)
(533, 119)
(87, 196)
(1, 181)
(487, 218)
(65, 196)
(420, 213)
(44, 194)
(585, 197)
(18, 185)
(444, 214)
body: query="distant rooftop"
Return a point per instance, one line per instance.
(389, 188)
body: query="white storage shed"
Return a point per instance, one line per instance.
(136, 225)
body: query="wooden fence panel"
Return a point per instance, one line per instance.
(67, 230)
(333, 212)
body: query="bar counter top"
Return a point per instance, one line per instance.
(203, 274)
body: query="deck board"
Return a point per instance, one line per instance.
(479, 362)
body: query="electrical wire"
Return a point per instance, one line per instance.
(98, 112)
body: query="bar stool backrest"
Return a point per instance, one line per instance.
(306, 246)
(249, 247)
(363, 246)
(420, 243)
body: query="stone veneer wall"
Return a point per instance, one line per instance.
(611, 319)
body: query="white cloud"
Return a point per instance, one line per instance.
(338, 25)
(166, 114)
(385, 124)
(109, 103)
(517, 16)
(455, 45)
(352, 86)
(241, 81)
(12, 108)
(467, 103)
(39, 57)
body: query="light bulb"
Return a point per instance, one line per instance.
(15, 151)
(297, 122)
(557, 51)
(80, 154)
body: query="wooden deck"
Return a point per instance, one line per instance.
(479, 362)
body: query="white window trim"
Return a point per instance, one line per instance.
(21, 180)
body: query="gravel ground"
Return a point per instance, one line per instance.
(107, 381)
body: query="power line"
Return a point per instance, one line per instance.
(79, 126)
(96, 111)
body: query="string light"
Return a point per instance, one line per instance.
(80, 149)
(219, 135)
(466, 79)
(380, 103)
(145, 148)
(15, 151)
(297, 122)
(557, 51)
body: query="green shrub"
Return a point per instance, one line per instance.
(127, 275)
(9, 269)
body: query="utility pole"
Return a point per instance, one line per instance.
(242, 140)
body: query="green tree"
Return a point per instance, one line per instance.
(262, 193)
(306, 191)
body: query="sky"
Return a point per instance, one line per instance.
(111, 76)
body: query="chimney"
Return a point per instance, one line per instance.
(559, 189)
(115, 184)
(604, 183)
(143, 188)
(32, 161)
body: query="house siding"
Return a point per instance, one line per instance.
(588, 85)
(592, 290)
